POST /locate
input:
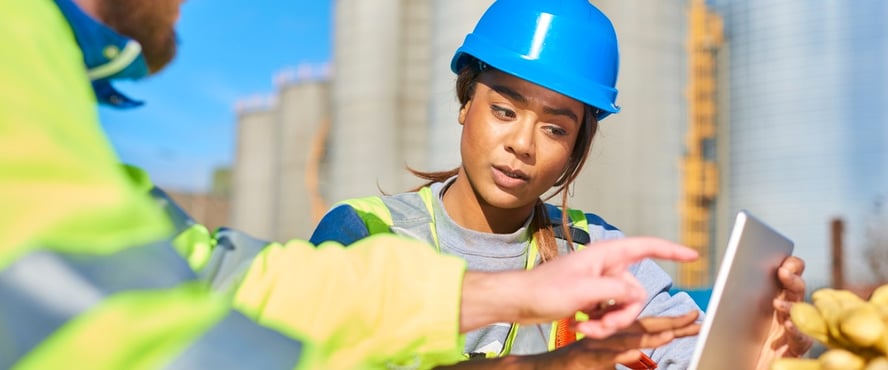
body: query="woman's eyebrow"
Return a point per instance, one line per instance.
(515, 96)
(509, 93)
(561, 112)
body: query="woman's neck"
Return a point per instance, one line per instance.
(470, 211)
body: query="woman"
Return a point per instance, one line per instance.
(534, 79)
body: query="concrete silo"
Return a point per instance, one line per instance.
(379, 95)
(452, 20)
(277, 160)
(809, 102)
(303, 108)
(254, 178)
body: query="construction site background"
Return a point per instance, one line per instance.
(789, 105)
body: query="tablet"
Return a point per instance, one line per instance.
(740, 309)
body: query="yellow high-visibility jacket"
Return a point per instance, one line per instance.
(89, 277)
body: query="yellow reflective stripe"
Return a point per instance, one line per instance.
(553, 333)
(427, 197)
(238, 342)
(195, 244)
(578, 219)
(374, 213)
(133, 330)
(507, 347)
(44, 290)
(532, 253)
(581, 316)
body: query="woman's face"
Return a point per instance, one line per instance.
(517, 139)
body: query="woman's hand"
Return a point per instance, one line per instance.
(598, 354)
(622, 347)
(784, 339)
(583, 280)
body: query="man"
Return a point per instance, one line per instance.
(89, 277)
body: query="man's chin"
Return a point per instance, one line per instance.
(159, 57)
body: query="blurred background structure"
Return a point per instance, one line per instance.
(279, 151)
(777, 108)
(807, 88)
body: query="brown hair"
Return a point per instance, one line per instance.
(540, 226)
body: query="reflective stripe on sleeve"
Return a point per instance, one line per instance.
(41, 291)
(236, 342)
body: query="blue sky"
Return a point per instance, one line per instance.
(229, 50)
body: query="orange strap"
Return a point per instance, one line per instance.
(565, 336)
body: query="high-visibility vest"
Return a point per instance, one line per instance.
(378, 218)
(88, 277)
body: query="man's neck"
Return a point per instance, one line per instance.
(90, 7)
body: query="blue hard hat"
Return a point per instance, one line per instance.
(567, 46)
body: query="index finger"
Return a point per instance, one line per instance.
(619, 253)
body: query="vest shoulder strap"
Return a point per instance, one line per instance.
(578, 227)
(413, 215)
(410, 214)
(373, 211)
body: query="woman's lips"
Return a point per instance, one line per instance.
(506, 177)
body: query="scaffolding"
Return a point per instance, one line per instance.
(699, 170)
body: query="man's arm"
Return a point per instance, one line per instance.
(381, 299)
(384, 299)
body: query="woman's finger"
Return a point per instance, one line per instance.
(653, 324)
(626, 341)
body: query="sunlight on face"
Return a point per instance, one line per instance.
(517, 139)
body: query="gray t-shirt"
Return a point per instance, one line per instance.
(482, 252)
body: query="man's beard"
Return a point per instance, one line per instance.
(148, 22)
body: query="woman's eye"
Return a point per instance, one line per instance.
(556, 131)
(502, 113)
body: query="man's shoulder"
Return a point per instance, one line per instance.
(44, 66)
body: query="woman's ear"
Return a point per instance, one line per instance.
(464, 111)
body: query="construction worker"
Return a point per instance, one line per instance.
(534, 79)
(89, 276)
